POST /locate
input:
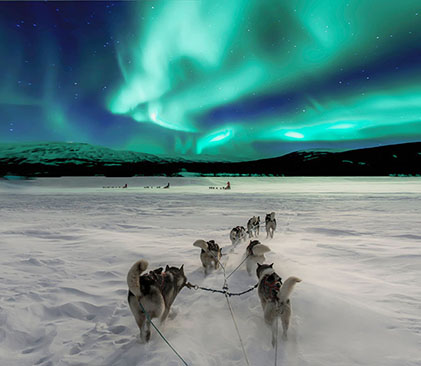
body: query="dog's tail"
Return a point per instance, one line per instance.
(133, 276)
(287, 288)
(201, 244)
(260, 249)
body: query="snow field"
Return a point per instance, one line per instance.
(67, 245)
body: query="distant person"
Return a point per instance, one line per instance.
(125, 186)
(167, 186)
(228, 185)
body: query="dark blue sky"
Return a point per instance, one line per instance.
(236, 79)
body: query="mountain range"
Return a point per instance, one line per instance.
(80, 159)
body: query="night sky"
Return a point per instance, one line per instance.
(247, 79)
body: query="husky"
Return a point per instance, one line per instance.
(253, 226)
(237, 234)
(255, 254)
(209, 255)
(270, 222)
(274, 297)
(156, 291)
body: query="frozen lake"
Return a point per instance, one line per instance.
(67, 244)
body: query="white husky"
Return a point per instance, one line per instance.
(255, 254)
(210, 255)
(237, 234)
(274, 297)
(270, 223)
(253, 226)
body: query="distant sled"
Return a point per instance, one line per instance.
(228, 186)
(125, 186)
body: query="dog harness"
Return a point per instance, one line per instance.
(251, 246)
(162, 279)
(268, 219)
(212, 246)
(254, 224)
(153, 277)
(238, 231)
(271, 286)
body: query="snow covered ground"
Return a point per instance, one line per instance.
(67, 243)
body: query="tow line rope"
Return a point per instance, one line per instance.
(162, 336)
(227, 296)
(276, 340)
(225, 289)
(236, 328)
(238, 266)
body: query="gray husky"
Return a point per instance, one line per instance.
(253, 226)
(156, 291)
(209, 255)
(237, 234)
(274, 297)
(255, 254)
(270, 223)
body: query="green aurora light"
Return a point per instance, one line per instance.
(244, 79)
(216, 53)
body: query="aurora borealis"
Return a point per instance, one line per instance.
(248, 79)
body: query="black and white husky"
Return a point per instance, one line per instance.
(255, 254)
(155, 291)
(270, 223)
(237, 234)
(209, 255)
(253, 226)
(274, 297)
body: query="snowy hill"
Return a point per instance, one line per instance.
(60, 158)
(76, 159)
(56, 153)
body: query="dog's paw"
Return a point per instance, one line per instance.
(142, 339)
(273, 342)
(147, 335)
(173, 313)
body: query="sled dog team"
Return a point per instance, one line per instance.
(153, 293)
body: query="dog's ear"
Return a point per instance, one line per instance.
(271, 265)
(167, 268)
(182, 268)
(258, 265)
